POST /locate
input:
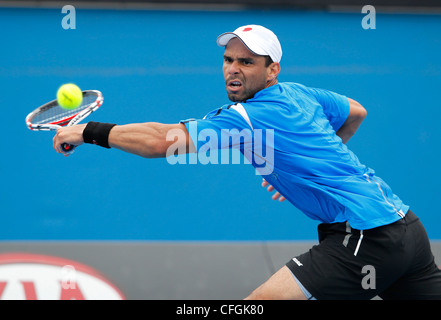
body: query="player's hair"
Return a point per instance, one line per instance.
(268, 61)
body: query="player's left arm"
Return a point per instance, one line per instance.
(357, 113)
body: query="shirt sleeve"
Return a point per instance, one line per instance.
(219, 129)
(335, 106)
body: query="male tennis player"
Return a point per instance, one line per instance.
(364, 226)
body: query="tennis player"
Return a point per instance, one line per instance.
(370, 243)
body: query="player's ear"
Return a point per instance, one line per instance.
(273, 71)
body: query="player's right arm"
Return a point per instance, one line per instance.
(149, 140)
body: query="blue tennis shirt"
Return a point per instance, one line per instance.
(288, 132)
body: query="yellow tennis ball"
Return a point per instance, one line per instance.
(69, 96)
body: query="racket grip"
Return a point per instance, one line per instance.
(67, 148)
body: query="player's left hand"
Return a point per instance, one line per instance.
(276, 195)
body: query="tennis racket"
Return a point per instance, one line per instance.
(51, 116)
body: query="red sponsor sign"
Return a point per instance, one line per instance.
(25, 276)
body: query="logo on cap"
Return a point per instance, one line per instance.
(247, 29)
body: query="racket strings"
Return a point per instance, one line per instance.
(53, 113)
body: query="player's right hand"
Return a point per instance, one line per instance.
(71, 135)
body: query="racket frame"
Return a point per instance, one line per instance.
(68, 121)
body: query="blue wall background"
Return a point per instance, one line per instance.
(165, 66)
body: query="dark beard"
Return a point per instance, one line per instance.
(247, 95)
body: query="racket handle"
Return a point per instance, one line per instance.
(67, 148)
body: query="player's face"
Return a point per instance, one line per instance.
(244, 72)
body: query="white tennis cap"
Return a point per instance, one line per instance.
(258, 40)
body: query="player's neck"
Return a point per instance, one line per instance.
(271, 83)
